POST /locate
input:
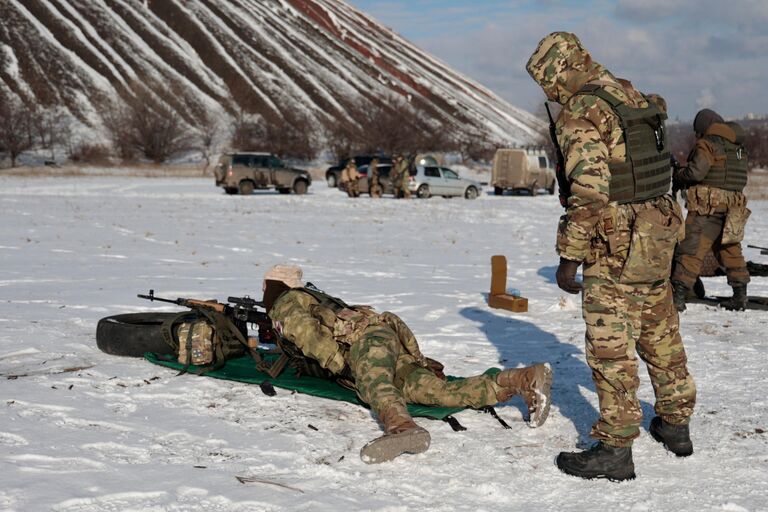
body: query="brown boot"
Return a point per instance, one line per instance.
(534, 384)
(402, 435)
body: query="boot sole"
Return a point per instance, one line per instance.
(685, 452)
(387, 447)
(544, 396)
(596, 476)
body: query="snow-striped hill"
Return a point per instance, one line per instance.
(265, 57)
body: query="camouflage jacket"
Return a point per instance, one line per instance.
(590, 136)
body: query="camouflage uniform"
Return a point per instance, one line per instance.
(627, 298)
(379, 350)
(374, 183)
(350, 179)
(399, 175)
(716, 216)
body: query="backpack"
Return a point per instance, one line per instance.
(205, 338)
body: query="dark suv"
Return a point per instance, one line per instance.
(333, 174)
(242, 173)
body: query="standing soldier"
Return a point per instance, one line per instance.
(399, 176)
(715, 177)
(622, 224)
(378, 354)
(374, 183)
(350, 179)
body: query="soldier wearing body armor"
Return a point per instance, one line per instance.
(350, 178)
(377, 354)
(399, 176)
(622, 225)
(715, 177)
(374, 183)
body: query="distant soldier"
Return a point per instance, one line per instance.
(350, 178)
(622, 224)
(378, 354)
(399, 175)
(715, 176)
(374, 184)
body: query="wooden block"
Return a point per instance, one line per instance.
(498, 298)
(508, 302)
(498, 275)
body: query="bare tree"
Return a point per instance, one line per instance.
(51, 126)
(145, 126)
(16, 135)
(293, 136)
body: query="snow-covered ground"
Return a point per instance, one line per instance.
(122, 434)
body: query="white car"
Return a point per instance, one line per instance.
(441, 181)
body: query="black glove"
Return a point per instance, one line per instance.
(566, 276)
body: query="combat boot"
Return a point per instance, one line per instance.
(534, 384)
(739, 300)
(675, 438)
(600, 461)
(679, 294)
(402, 435)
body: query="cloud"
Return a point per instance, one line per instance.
(689, 51)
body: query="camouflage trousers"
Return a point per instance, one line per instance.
(624, 320)
(386, 374)
(703, 234)
(400, 190)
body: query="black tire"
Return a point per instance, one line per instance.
(497, 191)
(133, 334)
(532, 191)
(331, 180)
(300, 187)
(230, 190)
(423, 192)
(245, 188)
(551, 189)
(284, 190)
(471, 193)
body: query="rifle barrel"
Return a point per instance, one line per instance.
(159, 299)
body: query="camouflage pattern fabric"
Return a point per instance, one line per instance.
(399, 176)
(381, 352)
(627, 302)
(374, 183)
(200, 335)
(703, 235)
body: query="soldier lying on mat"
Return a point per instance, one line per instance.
(379, 354)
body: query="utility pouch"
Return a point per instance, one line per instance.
(195, 342)
(735, 222)
(652, 246)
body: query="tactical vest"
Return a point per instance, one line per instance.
(646, 173)
(733, 174)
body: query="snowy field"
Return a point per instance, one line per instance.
(121, 434)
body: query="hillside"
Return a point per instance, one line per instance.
(271, 58)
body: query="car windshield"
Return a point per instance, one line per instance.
(449, 174)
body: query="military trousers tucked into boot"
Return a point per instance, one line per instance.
(624, 320)
(387, 375)
(703, 233)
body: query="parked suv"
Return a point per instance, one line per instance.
(242, 173)
(333, 174)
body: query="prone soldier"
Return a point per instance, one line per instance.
(380, 356)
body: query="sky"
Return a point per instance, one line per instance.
(696, 53)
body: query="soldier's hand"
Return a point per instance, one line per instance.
(566, 276)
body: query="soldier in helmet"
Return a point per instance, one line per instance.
(622, 225)
(715, 176)
(399, 176)
(374, 183)
(350, 178)
(379, 354)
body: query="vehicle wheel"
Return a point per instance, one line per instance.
(330, 179)
(230, 190)
(532, 190)
(471, 193)
(423, 192)
(497, 191)
(300, 187)
(284, 190)
(551, 189)
(133, 334)
(245, 188)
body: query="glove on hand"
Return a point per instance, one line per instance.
(566, 276)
